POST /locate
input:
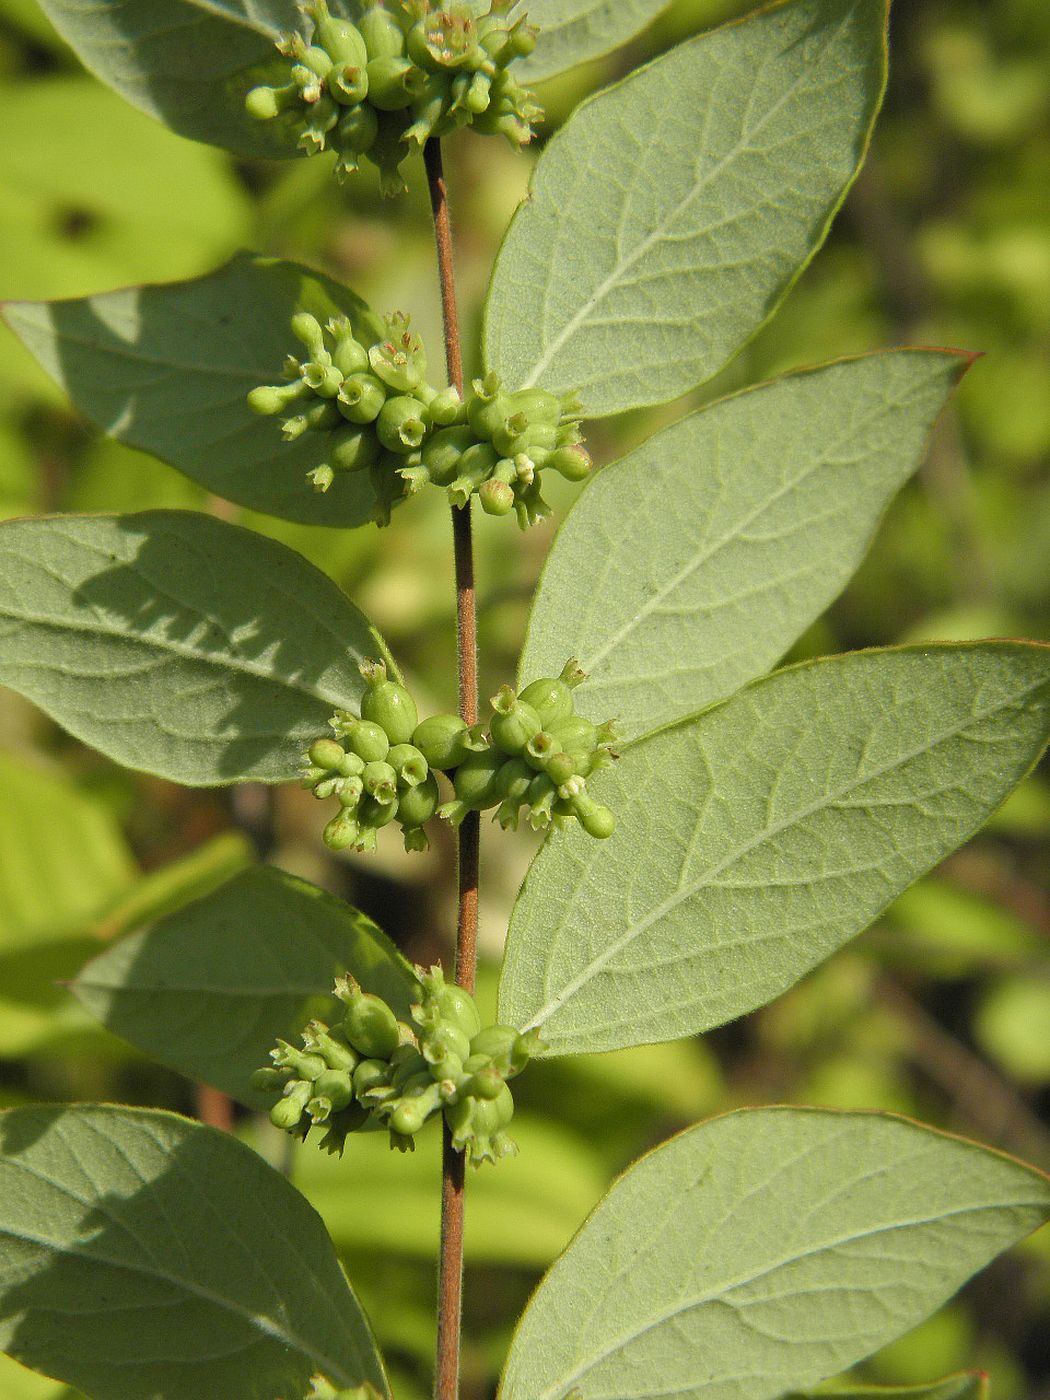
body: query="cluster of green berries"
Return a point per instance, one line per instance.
(379, 765)
(382, 764)
(539, 756)
(373, 1070)
(381, 416)
(384, 85)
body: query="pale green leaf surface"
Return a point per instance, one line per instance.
(969, 1385)
(690, 566)
(209, 989)
(189, 63)
(670, 215)
(52, 885)
(575, 31)
(757, 838)
(16, 1383)
(177, 644)
(764, 1251)
(168, 369)
(142, 1254)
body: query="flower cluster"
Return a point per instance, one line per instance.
(374, 1070)
(537, 753)
(540, 755)
(381, 416)
(383, 86)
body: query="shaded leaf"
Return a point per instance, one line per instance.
(650, 250)
(690, 566)
(764, 1250)
(189, 63)
(168, 369)
(177, 644)
(142, 1254)
(969, 1385)
(755, 839)
(208, 989)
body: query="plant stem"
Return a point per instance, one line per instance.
(450, 1267)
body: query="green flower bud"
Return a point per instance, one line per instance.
(268, 399)
(383, 36)
(442, 740)
(361, 398)
(374, 812)
(596, 820)
(327, 753)
(371, 1077)
(409, 765)
(356, 133)
(399, 361)
(512, 785)
(369, 1024)
(443, 450)
(269, 1080)
(496, 497)
(331, 1045)
(539, 749)
(352, 448)
(305, 1066)
(542, 793)
(348, 354)
(286, 1112)
(488, 409)
(265, 103)
(509, 1050)
(402, 424)
(486, 1083)
(560, 767)
(321, 415)
(447, 408)
(380, 782)
(514, 722)
(348, 84)
(350, 789)
(475, 779)
(445, 1041)
(416, 805)
(394, 83)
(388, 704)
(308, 329)
(475, 466)
(574, 463)
(342, 40)
(341, 832)
(447, 1001)
(322, 377)
(333, 1090)
(321, 477)
(369, 740)
(551, 697)
(321, 118)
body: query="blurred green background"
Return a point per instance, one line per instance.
(942, 1011)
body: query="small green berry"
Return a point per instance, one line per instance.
(388, 704)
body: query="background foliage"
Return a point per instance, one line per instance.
(943, 1010)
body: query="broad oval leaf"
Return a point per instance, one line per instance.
(189, 63)
(689, 567)
(177, 644)
(764, 1251)
(208, 989)
(142, 1254)
(755, 839)
(650, 250)
(168, 369)
(575, 31)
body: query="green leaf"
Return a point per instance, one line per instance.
(209, 989)
(575, 31)
(16, 1383)
(650, 251)
(763, 1251)
(970, 1385)
(64, 857)
(142, 1254)
(189, 63)
(757, 838)
(177, 644)
(709, 549)
(168, 369)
